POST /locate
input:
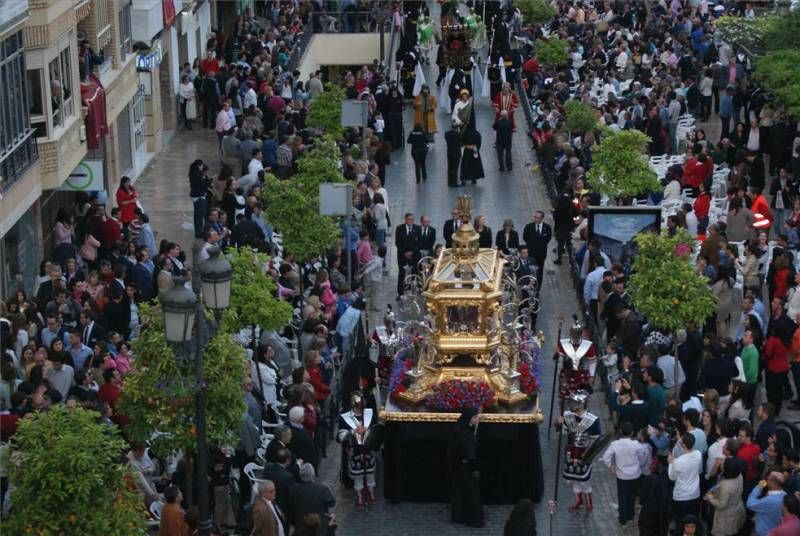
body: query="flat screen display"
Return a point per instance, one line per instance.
(615, 227)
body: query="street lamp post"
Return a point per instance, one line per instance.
(181, 309)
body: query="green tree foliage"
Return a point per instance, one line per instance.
(535, 12)
(774, 41)
(159, 392)
(580, 116)
(779, 71)
(551, 52)
(325, 111)
(293, 206)
(781, 32)
(253, 295)
(751, 33)
(620, 167)
(67, 477)
(664, 285)
(296, 215)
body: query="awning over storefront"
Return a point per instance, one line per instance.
(93, 97)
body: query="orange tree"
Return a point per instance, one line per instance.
(664, 285)
(67, 477)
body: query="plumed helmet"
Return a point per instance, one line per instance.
(578, 398)
(576, 331)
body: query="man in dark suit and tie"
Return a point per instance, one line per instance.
(427, 236)
(537, 236)
(450, 228)
(453, 139)
(91, 331)
(407, 240)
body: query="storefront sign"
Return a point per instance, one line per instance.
(87, 177)
(151, 60)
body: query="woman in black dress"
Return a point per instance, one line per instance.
(471, 164)
(394, 119)
(465, 496)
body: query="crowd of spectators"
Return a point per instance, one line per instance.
(713, 451)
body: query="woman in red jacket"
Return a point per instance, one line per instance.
(701, 207)
(321, 390)
(126, 200)
(776, 357)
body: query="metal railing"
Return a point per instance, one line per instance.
(23, 154)
(351, 21)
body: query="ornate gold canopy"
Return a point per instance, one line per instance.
(463, 298)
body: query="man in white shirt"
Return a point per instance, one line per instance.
(211, 241)
(625, 458)
(255, 165)
(250, 97)
(685, 472)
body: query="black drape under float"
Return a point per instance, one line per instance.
(416, 469)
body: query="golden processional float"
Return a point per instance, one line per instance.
(466, 337)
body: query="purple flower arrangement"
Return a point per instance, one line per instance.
(456, 394)
(397, 379)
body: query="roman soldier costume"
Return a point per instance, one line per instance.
(388, 342)
(359, 434)
(580, 361)
(584, 442)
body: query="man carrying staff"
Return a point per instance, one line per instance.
(583, 430)
(579, 361)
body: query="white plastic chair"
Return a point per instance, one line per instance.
(155, 509)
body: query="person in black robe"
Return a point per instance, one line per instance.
(495, 81)
(453, 139)
(654, 496)
(465, 496)
(394, 119)
(471, 164)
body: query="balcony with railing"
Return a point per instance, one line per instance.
(22, 154)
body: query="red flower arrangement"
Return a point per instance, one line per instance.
(527, 381)
(456, 394)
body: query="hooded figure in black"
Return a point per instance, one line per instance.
(465, 495)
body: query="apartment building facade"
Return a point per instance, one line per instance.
(89, 95)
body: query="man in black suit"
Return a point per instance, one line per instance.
(246, 232)
(301, 445)
(537, 236)
(279, 473)
(427, 236)
(504, 132)
(453, 139)
(407, 240)
(450, 228)
(91, 331)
